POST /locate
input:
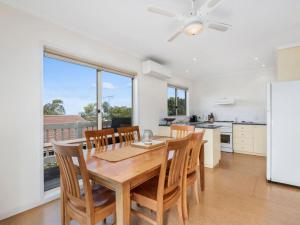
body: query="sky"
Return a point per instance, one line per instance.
(76, 85)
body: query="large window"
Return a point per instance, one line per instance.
(177, 101)
(79, 97)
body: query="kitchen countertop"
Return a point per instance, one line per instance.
(204, 125)
(249, 123)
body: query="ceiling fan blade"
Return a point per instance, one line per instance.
(212, 3)
(219, 26)
(162, 12)
(208, 6)
(174, 36)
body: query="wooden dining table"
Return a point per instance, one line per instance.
(122, 176)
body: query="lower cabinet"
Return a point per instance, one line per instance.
(164, 131)
(250, 139)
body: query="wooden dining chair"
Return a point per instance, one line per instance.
(129, 134)
(180, 131)
(190, 172)
(164, 191)
(90, 204)
(99, 138)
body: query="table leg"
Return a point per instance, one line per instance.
(201, 165)
(123, 205)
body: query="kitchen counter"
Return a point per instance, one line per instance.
(212, 149)
(207, 126)
(204, 125)
(249, 123)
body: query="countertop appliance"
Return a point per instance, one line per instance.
(283, 128)
(194, 118)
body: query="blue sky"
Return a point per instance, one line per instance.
(76, 86)
(180, 92)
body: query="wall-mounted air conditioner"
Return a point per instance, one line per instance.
(225, 101)
(156, 70)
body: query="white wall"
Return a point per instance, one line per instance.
(153, 100)
(21, 52)
(247, 88)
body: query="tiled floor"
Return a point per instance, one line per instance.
(236, 194)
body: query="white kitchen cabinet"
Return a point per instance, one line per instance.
(164, 131)
(212, 149)
(250, 139)
(260, 140)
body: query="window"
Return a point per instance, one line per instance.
(177, 102)
(79, 97)
(116, 100)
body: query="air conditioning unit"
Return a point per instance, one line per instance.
(156, 70)
(225, 101)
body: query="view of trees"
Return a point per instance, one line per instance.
(181, 106)
(171, 106)
(89, 111)
(54, 108)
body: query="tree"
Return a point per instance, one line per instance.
(181, 106)
(90, 112)
(54, 108)
(171, 106)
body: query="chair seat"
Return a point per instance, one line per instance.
(147, 193)
(102, 197)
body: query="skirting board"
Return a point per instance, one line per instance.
(48, 197)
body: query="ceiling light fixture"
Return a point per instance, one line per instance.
(194, 59)
(187, 71)
(263, 65)
(193, 28)
(256, 58)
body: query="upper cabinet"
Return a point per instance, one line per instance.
(288, 63)
(250, 139)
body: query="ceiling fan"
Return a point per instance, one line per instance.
(194, 22)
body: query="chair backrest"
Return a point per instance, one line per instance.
(99, 138)
(194, 151)
(65, 154)
(170, 178)
(180, 131)
(129, 134)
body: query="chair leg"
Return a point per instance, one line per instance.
(179, 210)
(67, 219)
(184, 203)
(160, 217)
(195, 190)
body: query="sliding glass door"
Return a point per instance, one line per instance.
(78, 97)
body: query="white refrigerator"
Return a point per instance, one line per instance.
(283, 119)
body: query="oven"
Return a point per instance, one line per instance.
(226, 142)
(226, 135)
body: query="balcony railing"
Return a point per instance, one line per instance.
(68, 133)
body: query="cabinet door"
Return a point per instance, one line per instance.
(243, 138)
(260, 139)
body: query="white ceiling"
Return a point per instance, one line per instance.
(258, 27)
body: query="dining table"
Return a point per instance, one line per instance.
(122, 176)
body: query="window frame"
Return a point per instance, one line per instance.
(176, 99)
